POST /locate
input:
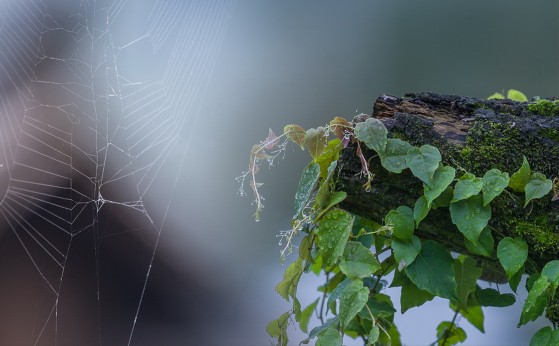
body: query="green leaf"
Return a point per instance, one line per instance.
(551, 272)
(470, 216)
(320, 329)
(516, 95)
(373, 133)
(420, 210)
(380, 306)
(483, 246)
(358, 261)
(333, 199)
(337, 293)
(331, 337)
(423, 162)
(288, 286)
(496, 96)
(405, 252)
(307, 184)
(433, 270)
(373, 335)
(278, 328)
(333, 232)
(521, 177)
(467, 273)
(545, 337)
(492, 297)
(443, 201)
(402, 222)
(413, 296)
(467, 186)
(315, 141)
(353, 298)
(514, 280)
(512, 254)
(331, 154)
(449, 334)
(473, 313)
(536, 301)
(441, 180)
(494, 183)
(306, 315)
(295, 133)
(394, 158)
(537, 187)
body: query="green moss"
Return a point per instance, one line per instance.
(545, 107)
(501, 145)
(540, 236)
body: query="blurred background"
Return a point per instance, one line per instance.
(123, 125)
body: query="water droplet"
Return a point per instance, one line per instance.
(497, 189)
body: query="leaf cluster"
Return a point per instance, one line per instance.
(356, 255)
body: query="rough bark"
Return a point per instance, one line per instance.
(475, 135)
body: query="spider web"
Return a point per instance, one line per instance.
(96, 111)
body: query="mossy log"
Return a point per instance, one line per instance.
(473, 135)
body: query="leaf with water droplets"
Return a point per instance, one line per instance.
(512, 254)
(537, 187)
(402, 223)
(394, 158)
(352, 300)
(535, 303)
(307, 184)
(545, 337)
(295, 133)
(467, 186)
(257, 152)
(331, 337)
(373, 133)
(470, 216)
(494, 183)
(405, 251)
(442, 178)
(423, 162)
(333, 232)
(358, 261)
(551, 272)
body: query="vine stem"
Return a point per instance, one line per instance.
(447, 332)
(321, 316)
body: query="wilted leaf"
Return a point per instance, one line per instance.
(295, 133)
(271, 141)
(340, 127)
(315, 141)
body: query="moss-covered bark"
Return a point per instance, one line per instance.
(473, 135)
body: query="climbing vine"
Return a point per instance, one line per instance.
(356, 255)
